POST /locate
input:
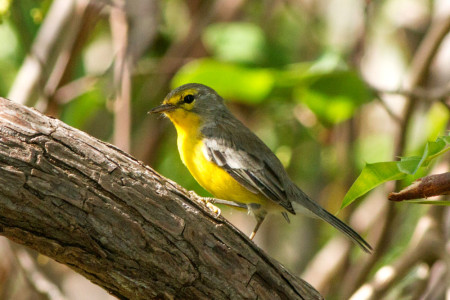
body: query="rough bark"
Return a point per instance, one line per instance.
(120, 224)
(429, 186)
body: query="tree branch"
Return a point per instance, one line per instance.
(425, 187)
(92, 207)
(431, 94)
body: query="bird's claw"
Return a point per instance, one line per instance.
(213, 208)
(207, 202)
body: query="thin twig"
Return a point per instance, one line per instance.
(425, 187)
(433, 94)
(122, 78)
(78, 31)
(74, 89)
(388, 110)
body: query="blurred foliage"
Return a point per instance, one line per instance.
(254, 84)
(334, 96)
(295, 72)
(236, 42)
(437, 120)
(4, 8)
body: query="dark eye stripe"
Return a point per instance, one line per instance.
(188, 98)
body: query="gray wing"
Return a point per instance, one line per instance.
(248, 160)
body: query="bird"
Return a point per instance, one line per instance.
(228, 160)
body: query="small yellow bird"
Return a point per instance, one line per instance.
(232, 163)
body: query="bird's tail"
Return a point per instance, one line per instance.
(310, 208)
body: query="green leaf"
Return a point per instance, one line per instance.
(371, 176)
(334, 96)
(293, 75)
(4, 8)
(235, 42)
(437, 119)
(435, 149)
(8, 49)
(231, 81)
(409, 165)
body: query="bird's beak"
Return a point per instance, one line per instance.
(162, 108)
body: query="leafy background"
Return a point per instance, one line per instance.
(329, 85)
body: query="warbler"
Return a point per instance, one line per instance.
(232, 163)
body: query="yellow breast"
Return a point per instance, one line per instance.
(210, 176)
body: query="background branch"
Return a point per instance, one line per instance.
(425, 246)
(425, 187)
(36, 68)
(37, 279)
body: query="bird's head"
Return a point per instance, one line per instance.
(192, 101)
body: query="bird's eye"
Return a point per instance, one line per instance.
(188, 98)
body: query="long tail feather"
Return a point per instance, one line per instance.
(313, 208)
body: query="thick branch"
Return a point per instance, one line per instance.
(117, 222)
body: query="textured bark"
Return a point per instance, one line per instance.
(429, 186)
(117, 222)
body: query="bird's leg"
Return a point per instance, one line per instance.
(253, 208)
(259, 213)
(258, 223)
(226, 202)
(209, 203)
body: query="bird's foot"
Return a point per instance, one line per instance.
(213, 208)
(208, 202)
